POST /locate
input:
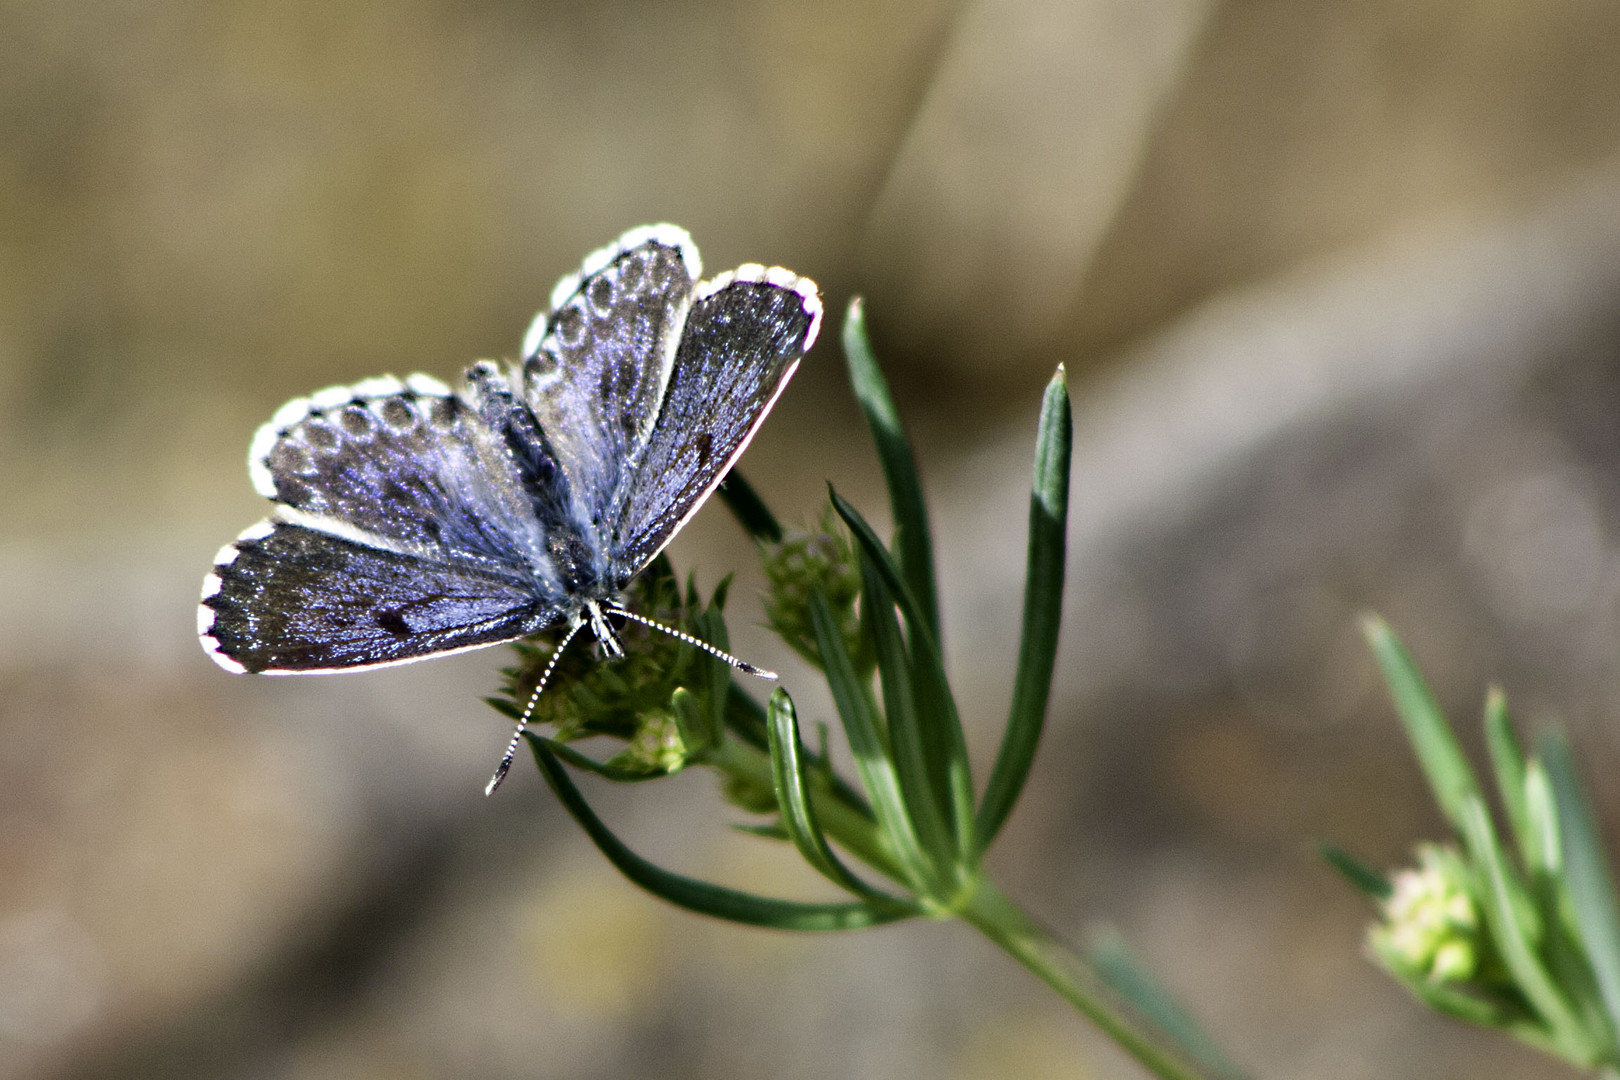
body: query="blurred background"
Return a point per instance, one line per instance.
(1338, 288)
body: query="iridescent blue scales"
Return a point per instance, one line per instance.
(413, 520)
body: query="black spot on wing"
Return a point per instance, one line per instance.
(393, 621)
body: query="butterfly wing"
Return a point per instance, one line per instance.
(410, 521)
(595, 368)
(741, 342)
(286, 598)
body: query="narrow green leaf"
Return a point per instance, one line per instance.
(913, 543)
(748, 508)
(701, 896)
(1507, 762)
(505, 706)
(1113, 961)
(715, 672)
(1356, 872)
(1043, 611)
(1541, 806)
(922, 781)
(936, 705)
(1515, 930)
(1448, 1000)
(717, 603)
(870, 748)
(1587, 876)
(745, 718)
(798, 811)
(1442, 759)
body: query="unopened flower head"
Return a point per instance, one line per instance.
(1431, 928)
(798, 566)
(629, 699)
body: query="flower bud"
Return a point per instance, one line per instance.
(658, 747)
(1431, 928)
(801, 564)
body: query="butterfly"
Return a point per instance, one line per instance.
(415, 520)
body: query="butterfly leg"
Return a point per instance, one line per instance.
(612, 647)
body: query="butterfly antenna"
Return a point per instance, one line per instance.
(528, 710)
(740, 665)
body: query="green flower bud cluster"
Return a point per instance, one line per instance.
(629, 699)
(802, 563)
(1431, 928)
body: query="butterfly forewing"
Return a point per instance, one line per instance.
(292, 599)
(595, 377)
(419, 471)
(742, 340)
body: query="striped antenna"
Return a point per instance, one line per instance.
(528, 710)
(740, 665)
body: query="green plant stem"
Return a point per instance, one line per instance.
(989, 911)
(1063, 969)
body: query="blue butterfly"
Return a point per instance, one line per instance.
(412, 520)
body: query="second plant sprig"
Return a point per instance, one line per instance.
(1517, 930)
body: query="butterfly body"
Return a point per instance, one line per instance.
(414, 520)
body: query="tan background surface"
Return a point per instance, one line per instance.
(1339, 288)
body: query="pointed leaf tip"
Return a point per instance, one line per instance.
(1446, 768)
(1356, 872)
(1373, 626)
(790, 772)
(1043, 609)
(913, 543)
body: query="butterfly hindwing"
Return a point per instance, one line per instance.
(742, 340)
